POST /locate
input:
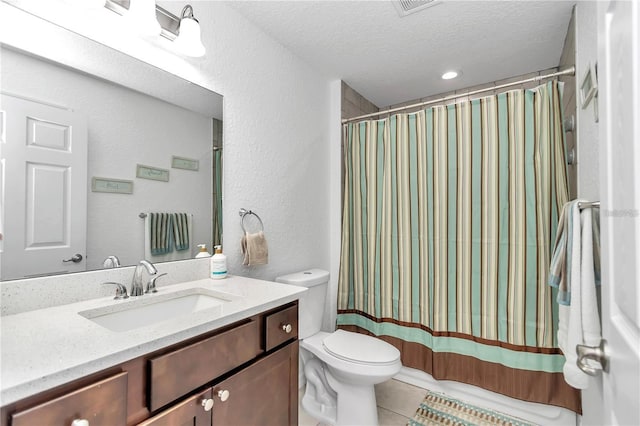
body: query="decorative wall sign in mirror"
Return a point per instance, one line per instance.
(79, 127)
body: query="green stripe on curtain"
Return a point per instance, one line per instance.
(448, 223)
(476, 244)
(523, 360)
(217, 197)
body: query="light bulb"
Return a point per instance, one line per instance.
(189, 40)
(142, 18)
(450, 74)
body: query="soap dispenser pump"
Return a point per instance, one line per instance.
(218, 264)
(203, 251)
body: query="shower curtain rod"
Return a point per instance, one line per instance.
(568, 71)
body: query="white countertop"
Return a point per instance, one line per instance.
(48, 347)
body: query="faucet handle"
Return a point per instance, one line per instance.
(121, 290)
(151, 284)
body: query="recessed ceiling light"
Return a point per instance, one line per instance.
(450, 74)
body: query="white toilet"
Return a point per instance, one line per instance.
(342, 367)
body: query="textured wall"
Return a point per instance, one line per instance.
(587, 128)
(276, 144)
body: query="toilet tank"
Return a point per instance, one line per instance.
(312, 303)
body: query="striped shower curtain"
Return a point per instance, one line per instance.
(449, 218)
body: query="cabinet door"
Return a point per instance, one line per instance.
(190, 412)
(263, 394)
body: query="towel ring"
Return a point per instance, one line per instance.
(244, 213)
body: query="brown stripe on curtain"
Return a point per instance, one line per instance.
(532, 386)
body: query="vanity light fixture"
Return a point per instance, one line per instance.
(142, 18)
(183, 30)
(450, 75)
(189, 40)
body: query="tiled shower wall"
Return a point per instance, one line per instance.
(568, 59)
(354, 104)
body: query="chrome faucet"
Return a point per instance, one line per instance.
(111, 262)
(137, 288)
(151, 285)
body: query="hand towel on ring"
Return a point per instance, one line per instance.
(254, 249)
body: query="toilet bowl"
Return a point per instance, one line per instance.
(340, 368)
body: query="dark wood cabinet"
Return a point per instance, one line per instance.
(101, 403)
(178, 372)
(242, 374)
(261, 394)
(193, 411)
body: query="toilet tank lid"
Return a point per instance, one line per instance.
(306, 278)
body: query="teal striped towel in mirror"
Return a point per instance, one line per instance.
(181, 230)
(161, 232)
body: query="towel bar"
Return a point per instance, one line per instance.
(244, 213)
(587, 204)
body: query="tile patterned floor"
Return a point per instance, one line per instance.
(397, 403)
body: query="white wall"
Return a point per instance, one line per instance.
(276, 142)
(587, 128)
(277, 124)
(588, 155)
(125, 128)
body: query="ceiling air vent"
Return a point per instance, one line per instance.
(407, 7)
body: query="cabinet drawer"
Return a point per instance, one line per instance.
(102, 403)
(277, 324)
(179, 372)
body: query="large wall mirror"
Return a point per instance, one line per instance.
(87, 162)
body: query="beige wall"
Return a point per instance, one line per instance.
(354, 104)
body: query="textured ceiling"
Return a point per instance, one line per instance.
(390, 59)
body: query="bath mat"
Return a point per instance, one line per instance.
(439, 409)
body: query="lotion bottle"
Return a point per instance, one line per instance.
(203, 251)
(218, 264)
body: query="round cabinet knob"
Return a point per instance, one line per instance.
(287, 328)
(207, 403)
(223, 395)
(80, 422)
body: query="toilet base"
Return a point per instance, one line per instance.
(336, 403)
(356, 404)
(326, 414)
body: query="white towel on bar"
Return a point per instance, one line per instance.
(579, 322)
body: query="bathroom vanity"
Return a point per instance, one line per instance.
(237, 365)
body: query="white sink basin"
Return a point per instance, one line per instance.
(151, 309)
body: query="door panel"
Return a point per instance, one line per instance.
(47, 198)
(619, 132)
(44, 199)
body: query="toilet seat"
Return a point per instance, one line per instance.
(360, 348)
